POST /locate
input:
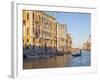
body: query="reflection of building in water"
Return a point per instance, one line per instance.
(69, 43)
(61, 37)
(87, 44)
(39, 31)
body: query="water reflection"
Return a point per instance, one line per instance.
(57, 61)
(84, 60)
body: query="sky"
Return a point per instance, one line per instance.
(78, 25)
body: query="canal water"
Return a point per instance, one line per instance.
(67, 60)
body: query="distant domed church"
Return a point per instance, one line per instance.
(87, 44)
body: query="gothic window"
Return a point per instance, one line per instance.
(27, 40)
(24, 22)
(33, 15)
(27, 16)
(27, 31)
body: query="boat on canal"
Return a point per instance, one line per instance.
(76, 54)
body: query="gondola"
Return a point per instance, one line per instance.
(76, 54)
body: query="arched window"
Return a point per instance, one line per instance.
(24, 22)
(27, 31)
(33, 30)
(33, 15)
(27, 40)
(27, 16)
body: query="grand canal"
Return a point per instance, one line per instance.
(67, 60)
